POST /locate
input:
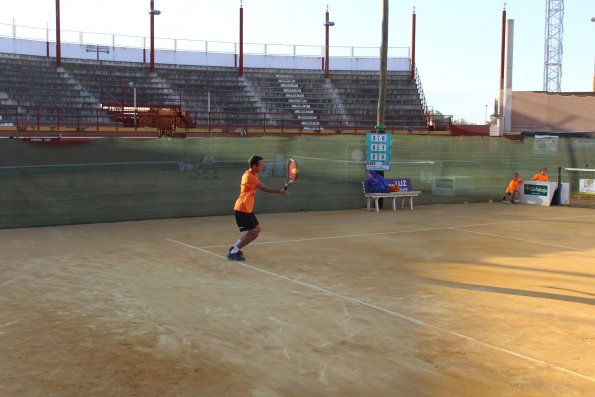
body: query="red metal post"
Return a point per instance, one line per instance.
(152, 56)
(241, 40)
(413, 46)
(503, 49)
(326, 45)
(500, 108)
(58, 43)
(47, 41)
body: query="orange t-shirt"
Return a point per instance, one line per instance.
(540, 178)
(514, 185)
(245, 201)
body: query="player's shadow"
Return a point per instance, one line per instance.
(508, 291)
(567, 289)
(532, 269)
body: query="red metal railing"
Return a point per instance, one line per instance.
(174, 118)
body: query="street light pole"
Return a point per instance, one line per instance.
(241, 40)
(152, 55)
(413, 21)
(327, 24)
(153, 12)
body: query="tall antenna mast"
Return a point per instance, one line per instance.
(552, 67)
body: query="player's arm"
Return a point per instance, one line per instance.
(267, 189)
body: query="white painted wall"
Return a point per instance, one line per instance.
(199, 58)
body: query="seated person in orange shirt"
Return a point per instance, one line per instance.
(512, 189)
(542, 176)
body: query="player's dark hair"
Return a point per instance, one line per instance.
(252, 161)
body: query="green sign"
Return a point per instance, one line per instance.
(378, 148)
(535, 190)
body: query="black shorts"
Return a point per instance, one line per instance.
(246, 221)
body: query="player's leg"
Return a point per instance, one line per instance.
(506, 198)
(250, 236)
(246, 222)
(512, 196)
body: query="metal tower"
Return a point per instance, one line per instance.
(552, 68)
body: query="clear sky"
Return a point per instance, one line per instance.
(458, 41)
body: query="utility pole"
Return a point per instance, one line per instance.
(383, 66)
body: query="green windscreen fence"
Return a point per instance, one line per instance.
(582, 186)
(117, 179)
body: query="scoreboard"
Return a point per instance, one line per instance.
(378, 148)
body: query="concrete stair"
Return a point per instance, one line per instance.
(35, 90)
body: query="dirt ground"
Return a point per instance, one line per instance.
(445, 300)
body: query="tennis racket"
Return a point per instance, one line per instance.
(292, 172)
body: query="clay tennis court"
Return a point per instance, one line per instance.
(445, 300)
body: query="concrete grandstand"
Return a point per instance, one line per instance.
(110, 90)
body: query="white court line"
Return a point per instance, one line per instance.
(387, 311)
(335, 237)
(517, 239)
(414, 231)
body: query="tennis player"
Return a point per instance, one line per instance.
(244, 206)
